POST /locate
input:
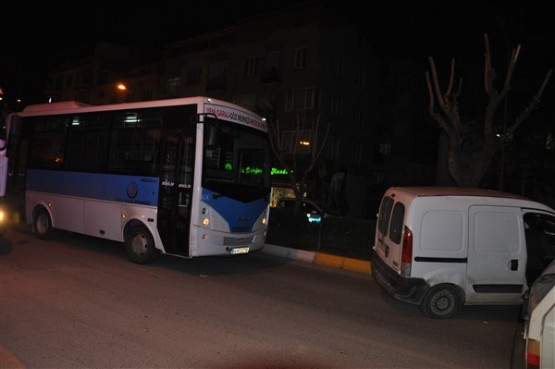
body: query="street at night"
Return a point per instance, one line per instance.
(77, 302)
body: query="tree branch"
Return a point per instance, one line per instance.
(536, 99)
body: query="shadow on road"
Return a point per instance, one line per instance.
(5, 246)
(505, 313)
(200, 266)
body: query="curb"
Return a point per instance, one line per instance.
(335, 261)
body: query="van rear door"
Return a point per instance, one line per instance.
(389, 232)
(496, 255)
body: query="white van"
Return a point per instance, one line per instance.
(444, 247)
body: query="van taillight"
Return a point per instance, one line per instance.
(406, 253)
(532, 354)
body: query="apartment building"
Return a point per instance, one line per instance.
(304, 68)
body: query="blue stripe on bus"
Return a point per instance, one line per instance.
(110, 187)
(240, 216)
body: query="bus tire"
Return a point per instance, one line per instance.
(42, 224)
(139, 245)
(441, 302)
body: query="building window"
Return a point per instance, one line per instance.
(247, 101)
(333, 147)
(336, 106)
(146, 95)
(270, 71)
(360, 77)
(102, 78)
(252, 66)
(358, 115)
(339, 65)
(216, 77)
(173, 85)
(549, 141)
(69, 80)
(299, 21)
(303, 98)
(356, 153)
(299, 58)
(192, 76)
(84, 77)
(385, 149)
(405, 86)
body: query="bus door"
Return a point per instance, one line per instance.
(176, 186)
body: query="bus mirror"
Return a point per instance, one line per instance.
(212, 134)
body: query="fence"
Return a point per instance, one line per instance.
(344, 236)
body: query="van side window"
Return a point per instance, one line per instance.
(396, 229)
(540, 243)
(385, 212)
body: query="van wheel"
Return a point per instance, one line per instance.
(42, 225)
(139, 245)
(441, 302)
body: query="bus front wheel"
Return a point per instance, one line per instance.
(139, 245)
(42, 224)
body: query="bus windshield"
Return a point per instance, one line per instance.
(236, 156)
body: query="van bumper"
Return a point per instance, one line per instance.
(400, 288)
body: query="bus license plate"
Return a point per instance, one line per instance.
(239, 250)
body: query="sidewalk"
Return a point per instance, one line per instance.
(341, 262)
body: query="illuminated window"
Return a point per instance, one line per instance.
(297, 141)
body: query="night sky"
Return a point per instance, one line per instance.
(32, 32)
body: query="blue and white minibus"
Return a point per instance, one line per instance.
(187, 177)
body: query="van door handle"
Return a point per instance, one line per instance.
(513, 264)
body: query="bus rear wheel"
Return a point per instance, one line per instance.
(42, 224)
(139, 245)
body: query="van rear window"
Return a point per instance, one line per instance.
(396, 227)
(385, 212)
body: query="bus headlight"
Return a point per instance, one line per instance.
(206, 221)
(2, 221)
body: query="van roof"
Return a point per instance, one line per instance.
(479, 195)
(454, 191)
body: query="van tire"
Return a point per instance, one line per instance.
(441, 302)
(139, 245)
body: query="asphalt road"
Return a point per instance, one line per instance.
(77, 302)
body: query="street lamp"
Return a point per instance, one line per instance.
(121, 92)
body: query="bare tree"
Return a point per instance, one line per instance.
(468, 164)
(289, 151)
